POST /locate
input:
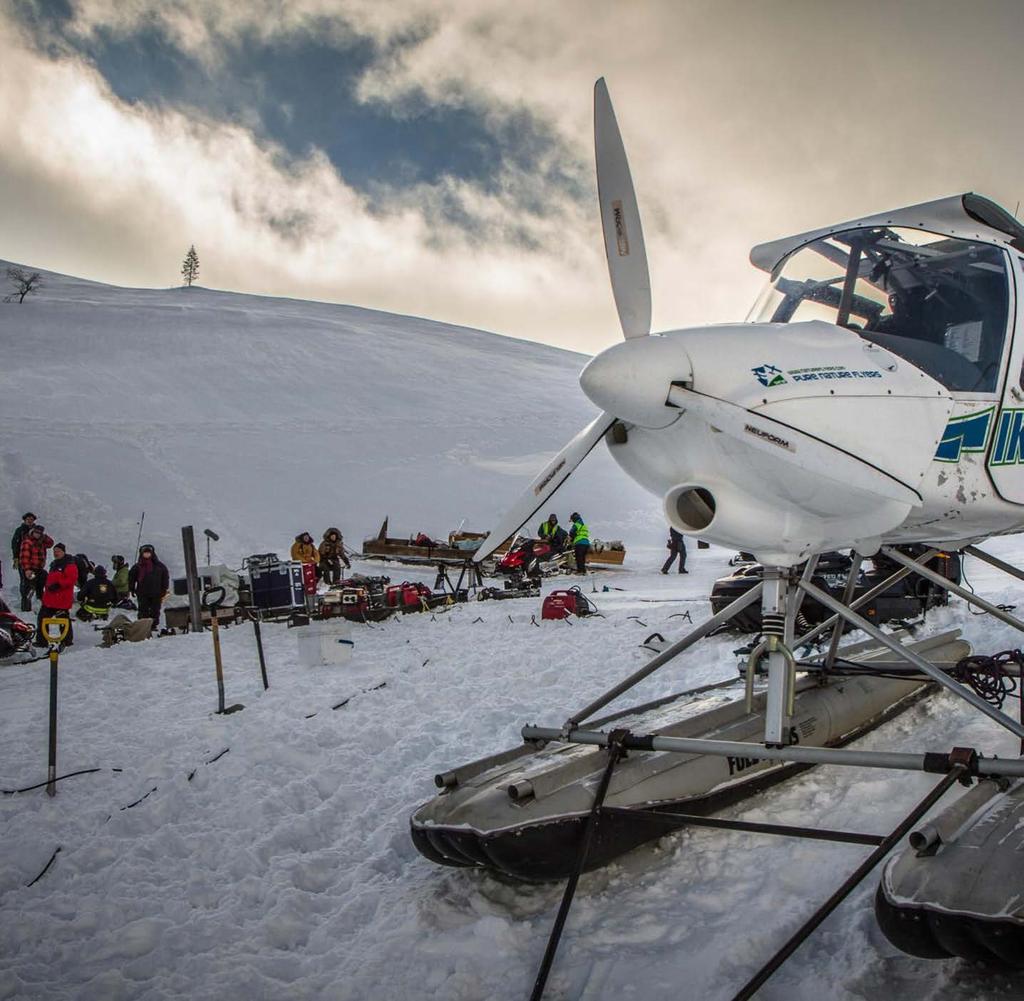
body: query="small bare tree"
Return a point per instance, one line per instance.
(24, 283)
(190, 269)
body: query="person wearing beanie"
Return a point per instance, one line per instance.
(28, 519)
(97, 596)
(58, 594)
(120, 578)
(579, 539)
(32, 564)
(148, 582)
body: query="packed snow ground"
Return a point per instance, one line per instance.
(284, 868)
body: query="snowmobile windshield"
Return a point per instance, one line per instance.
(940, 303)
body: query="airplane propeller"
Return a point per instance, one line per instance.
(620, 221)
(631, 286)
(547, 481)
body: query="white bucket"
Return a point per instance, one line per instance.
(325, 641)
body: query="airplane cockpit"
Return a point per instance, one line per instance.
(939, 302)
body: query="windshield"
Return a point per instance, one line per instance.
(938, 302)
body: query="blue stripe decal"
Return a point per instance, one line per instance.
(964, 434)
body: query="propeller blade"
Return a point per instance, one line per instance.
(550, 478)
(620, 220)
(789, 445)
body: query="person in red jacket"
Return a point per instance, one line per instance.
(58, 593)
(32, 565)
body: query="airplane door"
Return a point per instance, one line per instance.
(1006, 453)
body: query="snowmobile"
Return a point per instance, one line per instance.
(15, 635)
(905, 599)
(531, 557)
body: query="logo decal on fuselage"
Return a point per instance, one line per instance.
(968, 433)
(1009, 444)
(769, 375)
(772, 375)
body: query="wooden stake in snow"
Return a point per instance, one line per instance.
(212, 598)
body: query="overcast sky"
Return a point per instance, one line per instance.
(435, 158)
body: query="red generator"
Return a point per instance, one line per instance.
(355, 603)
(406, 596)
(562, 604)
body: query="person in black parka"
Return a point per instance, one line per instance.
(96, 597)
(149, 582)
(676, 547)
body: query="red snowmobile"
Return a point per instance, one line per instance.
(15, 635)
(530, 556)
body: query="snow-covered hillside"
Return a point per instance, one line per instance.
(261, 418)
(266, 855)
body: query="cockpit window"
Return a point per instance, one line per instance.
(937, 302)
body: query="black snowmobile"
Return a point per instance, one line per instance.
(906, 599)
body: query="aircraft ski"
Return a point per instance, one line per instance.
(521, 812)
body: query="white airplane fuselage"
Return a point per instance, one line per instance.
(786, 439)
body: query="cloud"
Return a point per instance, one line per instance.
(118, 191)
(743, 122)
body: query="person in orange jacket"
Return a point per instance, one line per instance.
(58, 594)
(304, 549)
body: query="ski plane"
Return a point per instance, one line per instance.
(873, 397)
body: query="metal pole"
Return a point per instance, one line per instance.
(960, 592)
(51, 771)
(994, 561)
(259, 648)
(896, 760)
(666, 655)
(195, 606)
(837, 629)
(593, 818)
(936, 674)
(795, 941)
(796, 600)
(864, 598)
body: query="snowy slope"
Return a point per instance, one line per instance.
(283, 869)
(262, 417)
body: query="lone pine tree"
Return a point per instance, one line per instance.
(190, 268)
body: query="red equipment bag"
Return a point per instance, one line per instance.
(309, 578)
(406, 595)
(562, 604)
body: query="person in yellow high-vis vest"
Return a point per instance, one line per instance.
(579, 539)
(551, 531)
